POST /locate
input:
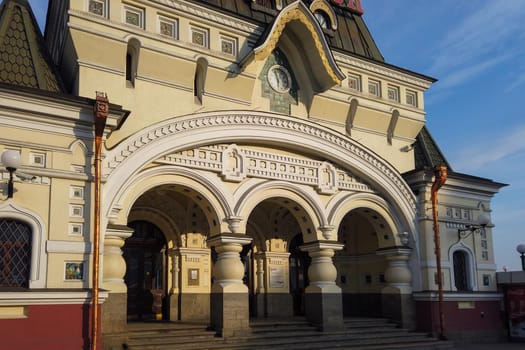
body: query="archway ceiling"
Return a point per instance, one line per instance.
(177, 202)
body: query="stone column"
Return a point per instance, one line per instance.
(398, 304)
(230, 312)
(175, 288)
(323, 298)
(114, 310)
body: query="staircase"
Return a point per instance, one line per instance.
(296, 334)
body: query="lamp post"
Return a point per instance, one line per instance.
(483, 221)
(521, 249)
(11, 161)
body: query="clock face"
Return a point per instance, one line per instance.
(279, 79)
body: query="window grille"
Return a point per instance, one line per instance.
(15, 253)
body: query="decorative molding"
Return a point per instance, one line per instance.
(268, 165)
(381, 70)
(44, 297)
(287, 126)
(68, 247)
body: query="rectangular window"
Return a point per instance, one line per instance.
(76, 211)
(199, 36)
(354, 82)
(485, 255)
(133, 16)
(98, 7)
(168, 27)
(374, 87)
(411, 97)
(37, 159)
(393, 93)
(76, 192)
(76, 229)
(228, 46)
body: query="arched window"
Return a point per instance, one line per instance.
(15, 254)
(461, 270)
(200, 79)
(132, 59)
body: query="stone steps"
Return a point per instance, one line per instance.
(362, 333)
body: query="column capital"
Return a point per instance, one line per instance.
(395, 252)
(229, 238)
(327, 231)
(234, 223)
(321, 245)
(120, 231)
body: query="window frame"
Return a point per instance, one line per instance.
(173, 21)
(413, 94)
(206, 36)
(357, 79)
(104, 8)
(395, 90)
(232, 40)
(136, 10)
(377, 85)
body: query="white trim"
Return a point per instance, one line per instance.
(38, 265)
(68, 247)
(49, 298)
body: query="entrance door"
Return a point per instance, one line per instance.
(299, 262)
(145, 278)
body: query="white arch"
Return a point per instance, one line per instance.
(345, 202)
(10, 210)
(471, 265)
(256, 191)
(133, 154)
(210, 188)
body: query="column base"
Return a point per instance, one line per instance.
(230, 312)
(399, 307)
(324, 307)
(114, 321)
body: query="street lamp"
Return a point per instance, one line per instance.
(521, 249)
(483, 221)
(11, 161)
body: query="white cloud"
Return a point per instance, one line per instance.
(484, 33)
(487, 151)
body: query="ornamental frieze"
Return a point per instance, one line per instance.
(235, 163)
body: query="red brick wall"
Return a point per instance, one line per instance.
(48, 327)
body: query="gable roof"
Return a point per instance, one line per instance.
(24, 60)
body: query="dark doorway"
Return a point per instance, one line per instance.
(299, 262)
(145, 257)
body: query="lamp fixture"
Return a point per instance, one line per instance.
(483, 221)
(11, 160)
(521, 249)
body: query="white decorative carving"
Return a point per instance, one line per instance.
(327, 179)
(233, 164)
(284, 124)
(268, 165)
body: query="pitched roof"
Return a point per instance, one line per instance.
(427, 153)
(351, 36)
(23, 57)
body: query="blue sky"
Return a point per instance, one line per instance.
(475, 48)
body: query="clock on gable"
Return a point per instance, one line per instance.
(279, 78)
